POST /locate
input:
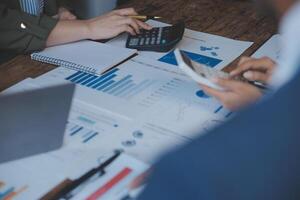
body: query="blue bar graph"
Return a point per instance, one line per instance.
(80, 133)
(75, 80)
(104, 81)
(89, 80)
(90, 137)
(117, 83)
(76, 131)
(83, 79)
(121, 87)
(124, 90)
(111, 83)
(74, 75)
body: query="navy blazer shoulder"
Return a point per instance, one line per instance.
(254, 156)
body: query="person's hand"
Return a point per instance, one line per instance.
(255, 69)
(115, 23)
(65, 14)
(237, 94)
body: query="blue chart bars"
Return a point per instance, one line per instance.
(83, 134)
(110, 83)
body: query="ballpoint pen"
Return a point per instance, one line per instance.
(70, 190)
(259, 85)
(144, 17)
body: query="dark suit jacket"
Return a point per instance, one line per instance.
(256, 156)
(18, 40)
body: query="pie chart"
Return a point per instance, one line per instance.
(201, 94)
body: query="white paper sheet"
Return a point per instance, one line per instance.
(212, 50)
(161, 102)
(270, 49)
(32, 177)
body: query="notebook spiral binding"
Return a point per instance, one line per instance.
(63, 63)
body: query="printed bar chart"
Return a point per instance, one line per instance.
(80, 133)
(111, 83)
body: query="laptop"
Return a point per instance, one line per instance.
(33, 122)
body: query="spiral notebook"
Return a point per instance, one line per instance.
(88, 56)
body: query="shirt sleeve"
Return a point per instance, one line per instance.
(23, 33)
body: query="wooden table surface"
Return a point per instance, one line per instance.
(236, 19)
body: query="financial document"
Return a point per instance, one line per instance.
(211, 50)
(271, 49)
(144, 107)
(33, 177)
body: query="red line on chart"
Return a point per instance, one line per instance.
(105, 188)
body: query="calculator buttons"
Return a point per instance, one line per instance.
(153, 40)
(147, 41)
(160, 39)
(134, 42)
(142, 41)
(160, 31)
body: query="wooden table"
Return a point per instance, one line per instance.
(235, 19)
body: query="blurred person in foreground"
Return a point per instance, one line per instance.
(241, 160)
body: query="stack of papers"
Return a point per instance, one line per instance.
(146, 106)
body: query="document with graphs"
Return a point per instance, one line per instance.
(144, 107)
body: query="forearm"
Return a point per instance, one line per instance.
(68, 31)
(99, 28)
(23, 33)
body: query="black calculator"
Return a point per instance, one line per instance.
(161, 39)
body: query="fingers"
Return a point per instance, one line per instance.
(256, 76)
(263, 64)
(135, 24)
(243, 60)
(236, 95)
(72, 17)
(144, 25)
(128, 29)
(69, 17)
(125, 12)
(213, 92)
(131, 22)
(228, 84)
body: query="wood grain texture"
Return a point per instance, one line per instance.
(236, 19)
